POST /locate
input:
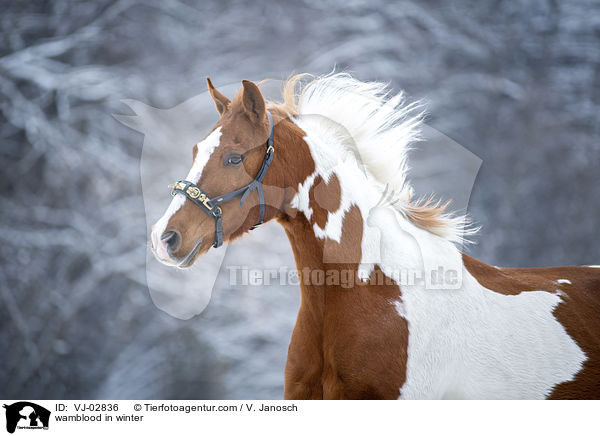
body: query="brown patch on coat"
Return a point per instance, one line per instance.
(348, 342)
(579, 312)
(349, 250)
(509, 281)
(324, 198)
(580, 315)
(365, 341)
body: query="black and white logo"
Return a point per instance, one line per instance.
(26, 415)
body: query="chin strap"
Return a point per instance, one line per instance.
(211, 205)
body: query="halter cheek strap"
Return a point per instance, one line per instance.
(211, 205)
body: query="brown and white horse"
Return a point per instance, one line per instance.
(337, 185)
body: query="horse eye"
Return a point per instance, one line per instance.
(233, 159)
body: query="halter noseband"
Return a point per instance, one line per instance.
(211, 205)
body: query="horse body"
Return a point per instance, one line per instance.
(385, 341)
(473, 342)
(377, 319)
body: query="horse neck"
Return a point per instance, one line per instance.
(320, 214)
(326, 220)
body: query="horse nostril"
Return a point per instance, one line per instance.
(172, 239)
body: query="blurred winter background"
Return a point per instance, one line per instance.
(515, 82)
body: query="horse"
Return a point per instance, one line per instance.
(329, 164)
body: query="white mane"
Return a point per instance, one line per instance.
(381, 127)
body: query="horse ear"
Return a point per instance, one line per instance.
(221, 101)
(254, 103)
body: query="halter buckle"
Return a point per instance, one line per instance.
(176, 186)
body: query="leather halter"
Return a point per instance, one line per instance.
(211, 205)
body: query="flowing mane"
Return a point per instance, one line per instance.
(380, 127)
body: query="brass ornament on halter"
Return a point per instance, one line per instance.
(193, 192)
(205, 201)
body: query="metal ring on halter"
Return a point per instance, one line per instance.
(211, 205)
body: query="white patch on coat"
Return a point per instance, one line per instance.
(301, 200)
(205, 150)
(474, 343)
(564, 281)
(465, 341)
